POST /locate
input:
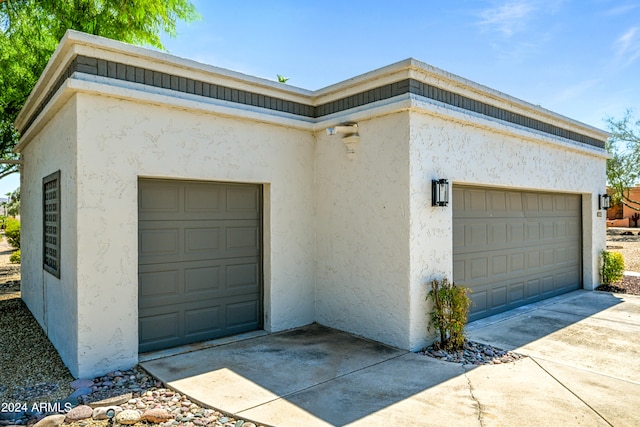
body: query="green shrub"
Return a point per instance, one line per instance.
(12, 232)
(612, 267)
(449, 314)
(15, 257)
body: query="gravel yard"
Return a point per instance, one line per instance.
(30, 368)
(627, 245)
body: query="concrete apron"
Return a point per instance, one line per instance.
(583, 369)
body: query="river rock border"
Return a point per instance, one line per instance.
(474, 353)
(129, 397)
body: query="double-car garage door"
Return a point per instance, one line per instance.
(199, 262)
(513, 248)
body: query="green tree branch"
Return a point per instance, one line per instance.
(30, 31)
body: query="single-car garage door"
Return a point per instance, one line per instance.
(199, 261)
(514, 247)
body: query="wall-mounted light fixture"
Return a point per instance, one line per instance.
(439, 192)
(350, 138)
(604, 201)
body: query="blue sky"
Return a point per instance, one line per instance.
(579, 58)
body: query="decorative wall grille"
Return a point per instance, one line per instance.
(51, 223)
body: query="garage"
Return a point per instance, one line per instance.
(199, 261)
(513, 248)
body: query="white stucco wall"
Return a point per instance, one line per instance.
(363, 231)
(468, 149)
(52, 301)
(120, 141)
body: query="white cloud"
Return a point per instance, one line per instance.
(621, 10)
(574, 91)
(627, 46)
(506, 18)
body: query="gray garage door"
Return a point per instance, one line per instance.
(199, 265)
(513, 248)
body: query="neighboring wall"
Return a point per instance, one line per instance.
(52, 301)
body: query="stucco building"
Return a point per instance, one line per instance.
(167, 202)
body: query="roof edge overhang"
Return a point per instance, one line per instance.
(82, 56)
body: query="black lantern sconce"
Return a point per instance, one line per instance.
(604, 201)
(439, 192)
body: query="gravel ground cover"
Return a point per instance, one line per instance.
(627, 242)
(618, 240)
(474, 353)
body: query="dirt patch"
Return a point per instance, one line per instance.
(30, 368)
(629, 285)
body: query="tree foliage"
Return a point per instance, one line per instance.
(623, 168)
(13, 203)
(31, 29)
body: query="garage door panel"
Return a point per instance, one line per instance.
(242, 277)
(242, 313)
(243, 239)
(161, 329)
(533, 259)
(156, 242)
(202, 239)
(516, 262)
(459, 270)
(478, 268)
(204, 200)
(533, 288)
(531, 248)
(158, 199)
(547, 285)
(516, 293)
(499, 265)
(203, 282)
(203, 322)
(199, 261)
(478, 301)
(159, 284)
(497, 234)
(243, 199)
(184, 282)
(197, 240)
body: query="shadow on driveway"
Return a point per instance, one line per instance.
(317, 376)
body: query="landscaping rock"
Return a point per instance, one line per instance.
(80, 392)
(78, 413)
(156, 416)
(100, 413)
(81, 383)
(51, 421)
(474, 353)
(111, 401)
(128, 417)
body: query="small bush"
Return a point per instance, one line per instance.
(450, 313)
(12, 232)
(15, 257)
(612, 267)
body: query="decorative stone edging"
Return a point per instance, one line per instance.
(474, 353)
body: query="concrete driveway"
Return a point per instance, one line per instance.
(583, 369)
